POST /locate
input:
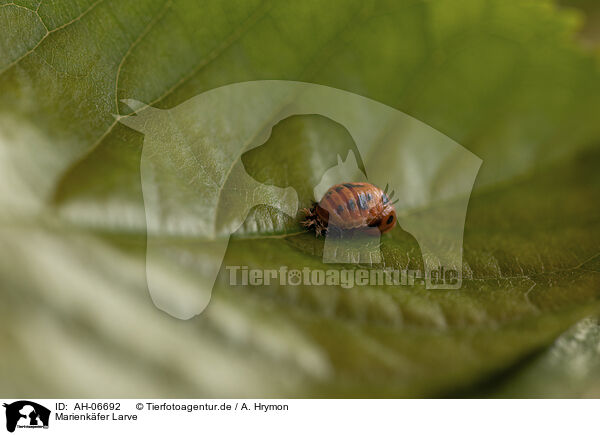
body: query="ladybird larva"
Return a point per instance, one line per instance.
(349, 206)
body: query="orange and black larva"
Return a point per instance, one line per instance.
(350, 206)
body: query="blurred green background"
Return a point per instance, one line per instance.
(515, 82)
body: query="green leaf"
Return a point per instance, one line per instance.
(572, 364)
(504, 79)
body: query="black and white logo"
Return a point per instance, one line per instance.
(24, 414)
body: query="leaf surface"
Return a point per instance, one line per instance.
(504, 79)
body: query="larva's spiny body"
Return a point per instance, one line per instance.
(349, 206)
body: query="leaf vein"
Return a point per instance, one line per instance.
(141, 36)
(48, 33)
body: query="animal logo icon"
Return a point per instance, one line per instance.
(24, 413)
(197, 192)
